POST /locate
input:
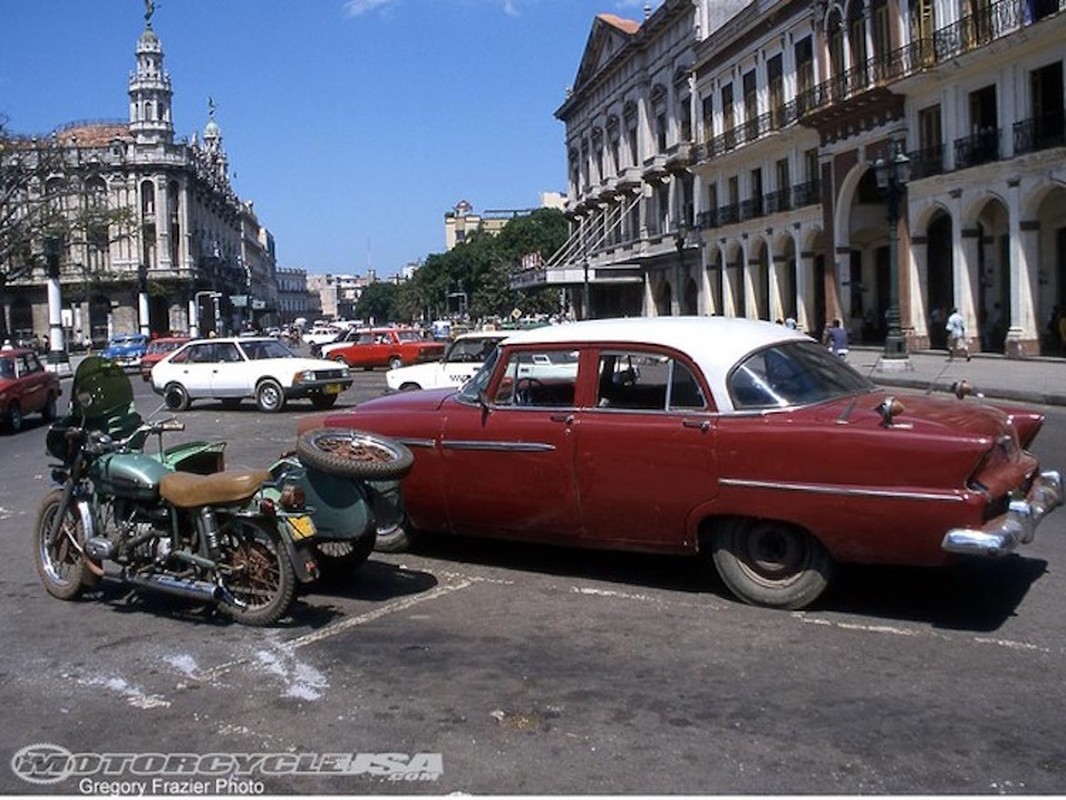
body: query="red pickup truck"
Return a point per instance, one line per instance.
(384, 347)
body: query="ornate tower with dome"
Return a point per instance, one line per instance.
(194, 257)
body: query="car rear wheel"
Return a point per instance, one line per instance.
(14, 418)
(410, 386)
(49, 410)
(395, 362)
(176, 398)
(269, 396)
(770, 563)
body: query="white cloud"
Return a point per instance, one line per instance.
(356, 8)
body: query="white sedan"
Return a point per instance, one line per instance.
(236, 368)
(461, 361)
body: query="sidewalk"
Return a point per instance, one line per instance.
(1031, 380)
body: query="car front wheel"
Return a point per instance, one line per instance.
(770, 563)
(269, 396)
(176, 397)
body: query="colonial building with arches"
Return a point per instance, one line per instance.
(194, 257)
(722, 160)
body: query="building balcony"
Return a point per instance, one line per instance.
(1040, 133)
(927, 162)
(776, 202)
(980, 148)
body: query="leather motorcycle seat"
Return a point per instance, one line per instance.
(187, 490)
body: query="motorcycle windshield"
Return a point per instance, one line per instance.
(102, 397)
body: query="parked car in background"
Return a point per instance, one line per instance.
(26, 387)
(126, 349)
(740, 440)
(320, 334)
(234, 368)
(157, 349)
(461, 361)
(384, 347)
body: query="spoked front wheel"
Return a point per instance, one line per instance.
(60, 559)
(257, 573)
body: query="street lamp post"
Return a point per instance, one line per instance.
(892, 176)
(679, 240)
(58, 358)
(585, 294)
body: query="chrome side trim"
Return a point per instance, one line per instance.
(499, 447)
(420, 443)
(842, 491)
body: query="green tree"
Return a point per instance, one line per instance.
(378, 302)
(481, 267)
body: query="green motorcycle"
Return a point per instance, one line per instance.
(173, 522)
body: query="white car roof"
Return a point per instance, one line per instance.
(715, 344)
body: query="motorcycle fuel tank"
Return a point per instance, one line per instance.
(132, 475)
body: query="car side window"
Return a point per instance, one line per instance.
(33, 364)
(540, 379)
(7, 368)
(634, 380)
(201, 354)
(227, 353)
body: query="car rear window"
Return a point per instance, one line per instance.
(792, 374)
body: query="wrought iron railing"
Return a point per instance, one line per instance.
(980, 148)
(781, 200)
(1040, 133)
(927, 161)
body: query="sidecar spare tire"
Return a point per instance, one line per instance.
(354, 454)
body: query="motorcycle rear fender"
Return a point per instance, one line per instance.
(301, 553)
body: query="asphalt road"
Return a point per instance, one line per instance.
(524, 669)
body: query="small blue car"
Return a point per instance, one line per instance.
(126, 349)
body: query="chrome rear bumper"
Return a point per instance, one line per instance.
(1017, 526)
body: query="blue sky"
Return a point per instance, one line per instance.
(353, 125)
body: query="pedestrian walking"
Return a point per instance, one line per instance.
(836, 339)
(956, 329)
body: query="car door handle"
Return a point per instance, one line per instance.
(566, 419)
(702, 424)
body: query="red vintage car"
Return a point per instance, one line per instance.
(157, 351)
(26, 387)
(741, 440)
(383, 347)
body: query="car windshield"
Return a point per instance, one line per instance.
(793, 374)
(480, 381)
(265, 348)
(471, 350)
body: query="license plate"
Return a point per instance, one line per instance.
(301, 527)
(332, 388)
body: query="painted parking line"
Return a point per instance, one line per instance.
(329, 631)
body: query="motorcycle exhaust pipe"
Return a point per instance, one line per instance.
(181, 587)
